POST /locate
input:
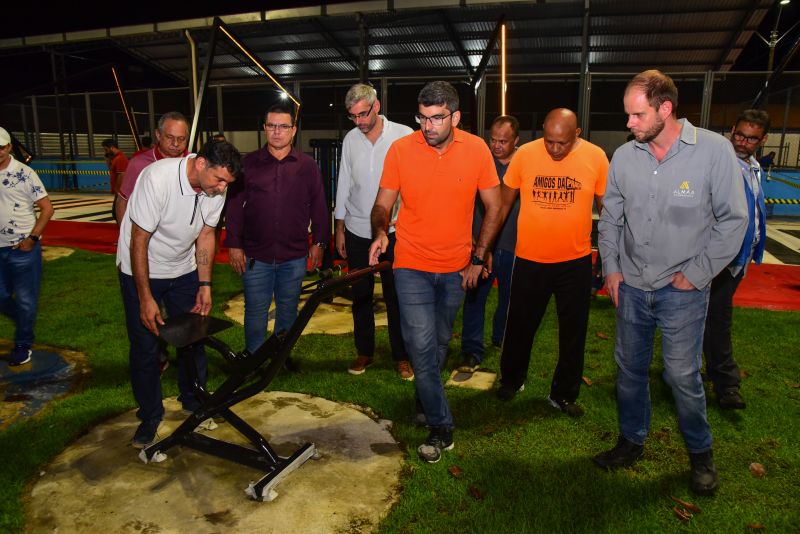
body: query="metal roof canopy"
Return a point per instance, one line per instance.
(438, 38)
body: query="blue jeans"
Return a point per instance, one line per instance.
(178, 296)
(262, 280)
(681, 317)
(429, 303)
(475, 305)
(20, 277)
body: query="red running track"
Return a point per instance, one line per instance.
(769, 287)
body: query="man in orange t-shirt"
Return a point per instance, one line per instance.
(437, 171)
(557, 178)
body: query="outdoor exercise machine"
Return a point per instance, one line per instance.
(250, 375)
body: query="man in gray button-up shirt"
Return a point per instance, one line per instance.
(674, 216)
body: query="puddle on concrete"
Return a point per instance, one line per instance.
(26, 389)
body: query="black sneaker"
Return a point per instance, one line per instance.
(440, 439)
(507, 392)
(146, 434)
(570, 408)
(624, 454)
(469, 364)
(730, 399)
(19, 356)
(704, 473)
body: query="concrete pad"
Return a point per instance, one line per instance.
(26, 389)
(483, 380)
(99, 482)
(330, 317)
(53, 253)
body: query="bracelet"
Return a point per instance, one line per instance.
(204, 284)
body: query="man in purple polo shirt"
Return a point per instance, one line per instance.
(268, 215)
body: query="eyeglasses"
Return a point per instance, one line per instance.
(362, 115)
(436, 120)
(750, 139)
(280, 127)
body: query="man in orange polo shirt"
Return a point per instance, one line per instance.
(557, 178)
(437, 171)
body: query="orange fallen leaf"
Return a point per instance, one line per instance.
(587, 380)
(757, 469)
(793, 385)
(475, 492)
(689, 506)
(755, 526)
(454, 470)
(682, 514)
(594, 365)
(743, 373)
(602, 335)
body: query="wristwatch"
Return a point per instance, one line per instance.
(476, 260)
(319, 244)
(34, 237)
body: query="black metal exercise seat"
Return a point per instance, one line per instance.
(251, 374)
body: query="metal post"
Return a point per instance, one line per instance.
(785, 123)
(705, 108)
(299, 139)
(58, 105)
(363, 50)
(89, 124)
(24, 124)
(583, 85)
(385, 95)
(586, 109)
(193, 67)
(220, 123)
(480, 109)
(151, 113)
(37, 131)
(73, 135)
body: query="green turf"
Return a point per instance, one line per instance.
(524, 468)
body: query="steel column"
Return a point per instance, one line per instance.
(785, 124)
(708, 91)
(87, 99)
(220, 117)
(583, 85)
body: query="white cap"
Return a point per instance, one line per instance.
(4, 137)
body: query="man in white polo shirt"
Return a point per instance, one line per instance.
(165, 254)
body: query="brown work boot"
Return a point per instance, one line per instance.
(405, 370)
(360, 365)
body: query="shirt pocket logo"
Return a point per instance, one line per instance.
(684, 190)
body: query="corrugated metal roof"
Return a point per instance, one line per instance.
(688, 35)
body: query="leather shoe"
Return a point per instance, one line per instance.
(730, 399)
(624, 454)
(704, 473)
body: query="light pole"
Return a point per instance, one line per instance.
(773, 35)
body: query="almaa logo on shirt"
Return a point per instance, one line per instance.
(684, 190)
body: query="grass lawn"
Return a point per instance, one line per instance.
(523, 466)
